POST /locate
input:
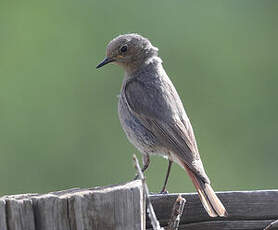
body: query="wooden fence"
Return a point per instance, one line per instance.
(122, 207)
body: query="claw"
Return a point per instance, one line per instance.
(164, 192)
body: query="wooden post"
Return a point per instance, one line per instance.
(120, 207)
(123, 207)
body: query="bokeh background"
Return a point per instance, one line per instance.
(59, 126)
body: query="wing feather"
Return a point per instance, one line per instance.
(160, 110)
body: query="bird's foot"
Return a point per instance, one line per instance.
(164, 191)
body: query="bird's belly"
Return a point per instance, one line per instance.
(136, 133)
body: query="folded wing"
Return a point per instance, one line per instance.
(157, 106)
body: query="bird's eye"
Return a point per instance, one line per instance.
(124, 49)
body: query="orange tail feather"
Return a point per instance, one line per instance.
(210, 201)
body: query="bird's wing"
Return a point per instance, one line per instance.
(158, 107)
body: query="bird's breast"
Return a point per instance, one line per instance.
(135, 131)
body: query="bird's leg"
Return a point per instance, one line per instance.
(163, 190)
(146, 162)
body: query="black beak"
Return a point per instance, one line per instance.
(104, 62)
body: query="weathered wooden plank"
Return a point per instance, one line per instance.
(19, 213)
(119, 207)
(241, 206)
(114, 207)
(123, 207)
(51, 212)
(3, 224)
(228, 225)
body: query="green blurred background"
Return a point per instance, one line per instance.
(59, 126)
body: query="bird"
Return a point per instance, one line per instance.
(153, 117)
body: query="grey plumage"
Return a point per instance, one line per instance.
(152, 114)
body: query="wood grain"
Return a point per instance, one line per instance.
(112, 208)
(122, 207)
(246, 210)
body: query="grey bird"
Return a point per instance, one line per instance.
(152, 114)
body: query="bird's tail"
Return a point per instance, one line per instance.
(210, 201)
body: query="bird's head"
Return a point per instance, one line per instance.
(129, 51)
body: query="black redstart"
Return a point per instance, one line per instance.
(152, 114)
